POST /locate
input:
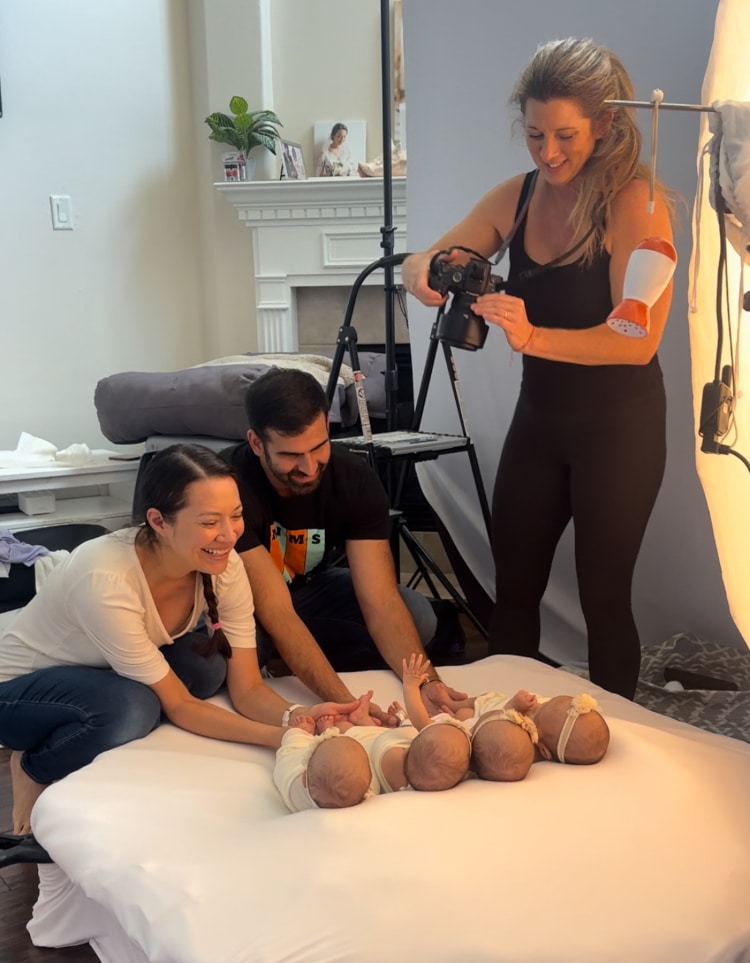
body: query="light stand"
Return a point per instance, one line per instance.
(387, 230)
(408, 450)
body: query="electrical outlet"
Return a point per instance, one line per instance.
(62, 212)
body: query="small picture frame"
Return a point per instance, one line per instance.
(292, 161)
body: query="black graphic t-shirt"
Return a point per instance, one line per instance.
(306, 533)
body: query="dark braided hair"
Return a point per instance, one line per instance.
(163, 486)
(217, 642)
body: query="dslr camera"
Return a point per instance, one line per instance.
(458, 326)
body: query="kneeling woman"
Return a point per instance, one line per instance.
(109, 643)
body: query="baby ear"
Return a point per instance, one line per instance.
(544, 751)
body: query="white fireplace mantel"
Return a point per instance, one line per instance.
(317, 232)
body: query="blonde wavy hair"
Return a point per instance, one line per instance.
(581, 70)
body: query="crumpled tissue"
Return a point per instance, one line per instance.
(34, 452)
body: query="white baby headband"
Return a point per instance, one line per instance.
(579, 705)
(456, 723)
(509, 715)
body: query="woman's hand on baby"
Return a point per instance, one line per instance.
(328, 709)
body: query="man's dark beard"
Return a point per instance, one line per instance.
(294, 484)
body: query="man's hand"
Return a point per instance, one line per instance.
(437, 697)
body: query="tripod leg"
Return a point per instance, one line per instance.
(421, 555)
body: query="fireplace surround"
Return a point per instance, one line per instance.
(319, 232)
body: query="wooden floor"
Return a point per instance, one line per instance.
(18, 890)
(18, 884)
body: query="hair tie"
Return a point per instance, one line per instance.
(215, 625)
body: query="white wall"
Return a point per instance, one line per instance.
(326, 66)
(95, 105)
(461, 62)
(105, 102)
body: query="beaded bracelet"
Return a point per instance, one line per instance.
(527, 342)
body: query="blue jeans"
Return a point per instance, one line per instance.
(329, 608)
(64, 716)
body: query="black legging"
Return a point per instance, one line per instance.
(602, 468)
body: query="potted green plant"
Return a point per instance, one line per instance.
(243, 130)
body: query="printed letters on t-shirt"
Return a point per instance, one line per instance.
(296, 551)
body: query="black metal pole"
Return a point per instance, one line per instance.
(387, 230)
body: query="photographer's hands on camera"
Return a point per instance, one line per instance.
(508, 313)
(497, 307)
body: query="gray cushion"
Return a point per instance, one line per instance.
(208, 400)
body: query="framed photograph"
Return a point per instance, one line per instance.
(292, 161)
(340, 146)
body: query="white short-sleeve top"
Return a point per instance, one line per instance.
(96, 609)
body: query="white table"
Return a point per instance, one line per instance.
(99, 493)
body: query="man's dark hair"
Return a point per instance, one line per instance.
(285, 400)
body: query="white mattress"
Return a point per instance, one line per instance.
(177, 849)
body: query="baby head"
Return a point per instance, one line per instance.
(502, 746)
(571, 729)
(338, 773)
(438, 757)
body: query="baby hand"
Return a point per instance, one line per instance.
(415, 670)
(523, 701)
(396, 712)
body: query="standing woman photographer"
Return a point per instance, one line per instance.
(587, 439)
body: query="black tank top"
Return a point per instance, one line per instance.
(571, 296)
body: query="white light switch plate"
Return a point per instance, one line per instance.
(62, 212)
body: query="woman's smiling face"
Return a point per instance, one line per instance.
(559, 138)
(206, 529)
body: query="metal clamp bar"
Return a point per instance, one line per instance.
(662, 105)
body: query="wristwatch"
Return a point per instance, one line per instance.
(425, 682)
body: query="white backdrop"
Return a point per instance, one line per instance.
(725, 479)
(461, 62)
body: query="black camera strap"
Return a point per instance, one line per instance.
(524, 200)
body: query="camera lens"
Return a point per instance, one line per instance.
(460, 327)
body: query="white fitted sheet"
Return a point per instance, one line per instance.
(178, 849)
